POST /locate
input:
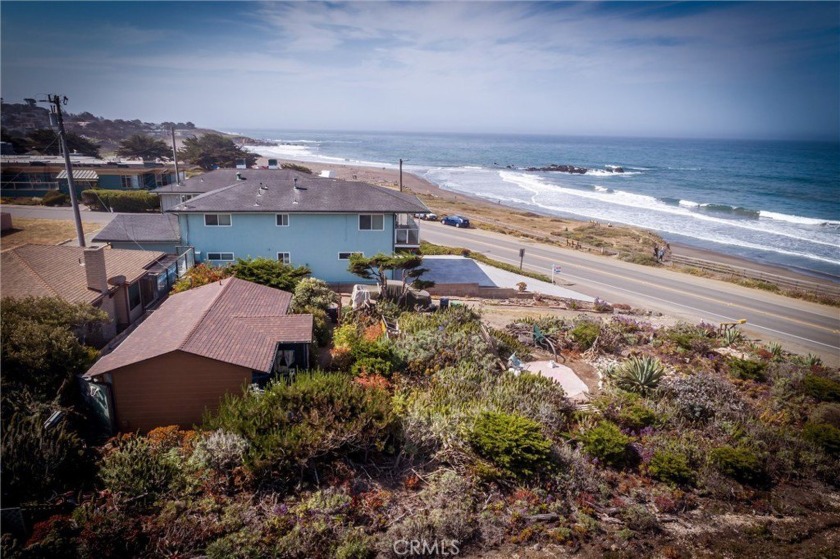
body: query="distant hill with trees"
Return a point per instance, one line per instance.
(26, 125)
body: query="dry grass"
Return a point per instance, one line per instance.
(42, 231)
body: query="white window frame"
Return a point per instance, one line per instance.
(277, 220)
(221, 257)
(230, 220)
(287, 259)
(372, 216)
(349, 254)
(185, 197)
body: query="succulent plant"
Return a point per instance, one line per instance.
(639, 374)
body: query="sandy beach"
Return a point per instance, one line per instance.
(442, 202)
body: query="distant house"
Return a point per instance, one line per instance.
(123, 283)
(35, 175)
(143, 232)
(198, 346)
(299, 219)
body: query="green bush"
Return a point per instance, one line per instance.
(688, 337)
(821, 388)
(585, 333)
(746, 369)
(430, 351)
(269, 272)
(136, 468)
(607, 443)
(54, 198)
(313, 293)
(513, 443)
(824, 436)
(296, 167)
(37, 461)
(293, 427)
(371, 366)
(825, 412)
(740, 463)
(636, 416)
(672, 467)
(121, 200)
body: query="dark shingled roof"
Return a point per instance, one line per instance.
(214, 180)
(232, 320)
(149, 228)
(263, 192)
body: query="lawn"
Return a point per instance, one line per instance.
(42, 231)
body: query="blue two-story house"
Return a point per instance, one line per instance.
(296, 218)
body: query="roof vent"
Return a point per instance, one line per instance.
(239, 176)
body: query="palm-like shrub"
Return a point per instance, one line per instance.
(639, 374)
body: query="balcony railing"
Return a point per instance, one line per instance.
(406, 232)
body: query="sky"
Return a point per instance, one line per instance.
(757, 70)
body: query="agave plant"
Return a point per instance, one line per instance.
(639, 374)
(776, 350)
(731, 336)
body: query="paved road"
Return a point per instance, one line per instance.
(799, 325)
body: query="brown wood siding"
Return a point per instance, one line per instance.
(172, 389)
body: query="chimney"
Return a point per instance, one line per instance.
(97, 278)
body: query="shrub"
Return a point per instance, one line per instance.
(689, 338)
(54, 198)
(220, 450)
(740, 463)
(639, 374)
(826, 413)
(57, 455)
(636, 416)
(585, 333)
(672, 467)
(513, 443)
(296, 167)
(429, 351)
(702, 396)
(199, 275)
(824, 436)
(821, 388)
(121, 200)
(639, 519)
(41, 345)
(372, 366)
(134, 468)
(607, 443)
(318, 417)
(746, 369)
(269, 272)
(313, 293)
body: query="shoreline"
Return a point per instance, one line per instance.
(389, 178)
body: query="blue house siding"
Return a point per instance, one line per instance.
(168, 248)
(314, 240)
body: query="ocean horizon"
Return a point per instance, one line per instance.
(769, 201)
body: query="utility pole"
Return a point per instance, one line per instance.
(400, 175)
(175, 158)
(56, 101)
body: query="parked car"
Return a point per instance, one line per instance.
(456, 220)
(426, 217)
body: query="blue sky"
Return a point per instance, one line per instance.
(716, 70)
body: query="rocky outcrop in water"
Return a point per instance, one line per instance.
(561, 169)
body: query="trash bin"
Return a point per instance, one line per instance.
(332, 313)
(444, 303)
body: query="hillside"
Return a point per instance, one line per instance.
(21, 119)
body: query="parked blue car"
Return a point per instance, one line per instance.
(456, 220)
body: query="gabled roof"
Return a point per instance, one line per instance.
(233, 320)
(57, 271)
(157, 228)
(220, 178)
(262, 192)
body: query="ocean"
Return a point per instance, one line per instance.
(771, 202)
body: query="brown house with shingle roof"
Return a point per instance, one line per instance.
(123, 283)
(198, 346)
